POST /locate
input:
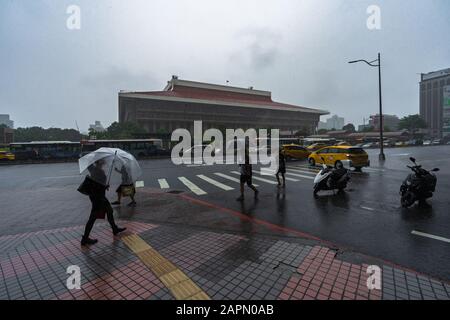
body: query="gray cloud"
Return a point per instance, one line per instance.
(296, 49)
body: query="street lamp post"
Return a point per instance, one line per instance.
(381, 157)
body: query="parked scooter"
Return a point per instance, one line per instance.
(418, 186)
(331, 178)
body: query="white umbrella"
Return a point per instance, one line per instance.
(110, 159)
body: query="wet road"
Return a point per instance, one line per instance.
(368, 218)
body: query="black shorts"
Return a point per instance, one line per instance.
(246, 179)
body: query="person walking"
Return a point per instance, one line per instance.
(281, 169)
(100, 204)
(246, 177)
(126, 188)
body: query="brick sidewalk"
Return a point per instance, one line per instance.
(224, 265)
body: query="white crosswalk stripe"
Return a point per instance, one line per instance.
(257, 178)
(230, 178)
(373, 169)
(267, 173)
(299, 175)
(303, 171)
(215, 182)
(163, 184)
(193, 187)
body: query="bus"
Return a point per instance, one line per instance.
(42, 150)
(137, 147)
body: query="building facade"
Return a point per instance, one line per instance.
(4, 119)
(97, 127)
(223, 107)
(389, 122)
(434, 92)
(333, 123)
(6, 136)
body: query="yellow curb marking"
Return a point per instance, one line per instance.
(179, 284)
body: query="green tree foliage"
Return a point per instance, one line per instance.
(303, 132)
(125, 130)
(412, 123)
(41, 134)
(368, 129)
(349, 127)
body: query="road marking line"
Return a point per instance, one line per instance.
(215, 182)
(304, 171)
(367, 208)
(304, 166)
(230, 178)
(178, 283)
(194, 188)
(139, 184)
(259, 179)
(299, 175)
(272, 174)
(163, 184)
(372, 169)
(427, 235)
(310, 171)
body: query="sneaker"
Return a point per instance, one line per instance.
(88, 241)
(241, 198)
(256, 193)
(116, 202)
(132, 204)
(118, 230)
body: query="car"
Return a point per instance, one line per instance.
(333, 155)
(295, 151)
(368, 145)
(400, 144)
(436, 142)
(342, 143)
(7, 156)
(448, 143)
(427, 142)
(209, 148)
(316, 146)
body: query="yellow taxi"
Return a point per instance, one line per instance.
(316, 146)
(5, 155)
(295, 151)
(347, 155)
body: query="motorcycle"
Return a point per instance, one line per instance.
(418, 185)
(331, 178)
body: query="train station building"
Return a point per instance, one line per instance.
(218, 106)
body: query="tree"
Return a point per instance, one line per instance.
(322, 131)
(50, 134)
(349, 127)
(412, 123)
(303, 132)
(124, 130)
(368, 129)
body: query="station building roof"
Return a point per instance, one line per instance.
(199, 92)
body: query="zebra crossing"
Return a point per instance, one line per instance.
(229, 180)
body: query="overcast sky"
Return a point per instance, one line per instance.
(51, 76)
